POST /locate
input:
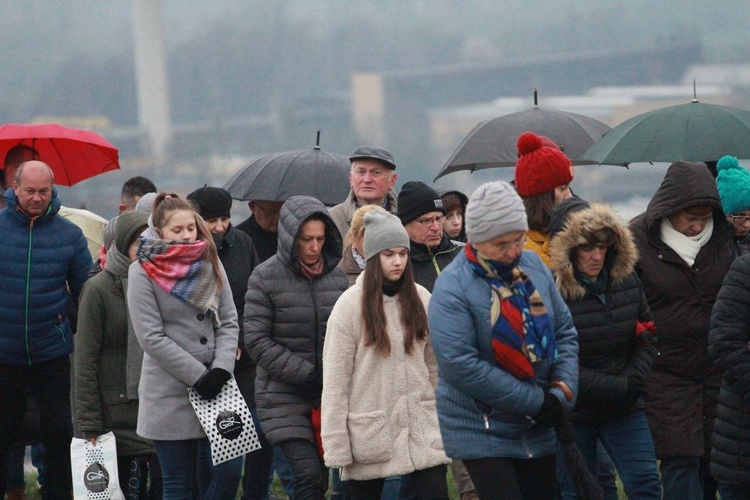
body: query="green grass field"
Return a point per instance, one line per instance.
(32, 490)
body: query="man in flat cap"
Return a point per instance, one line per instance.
(372, 178)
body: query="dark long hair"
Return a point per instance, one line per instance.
(539, 211)
(165, 204)
(412, 314)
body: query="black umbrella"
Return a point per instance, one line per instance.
(492, 143)
(586, 485)
(279, 176)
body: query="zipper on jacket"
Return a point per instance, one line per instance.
(486, 422)
(434, 259)
(60, 322)
(523, 438)
(28, 291)
(317, 321)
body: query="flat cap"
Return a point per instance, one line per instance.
(374, 153)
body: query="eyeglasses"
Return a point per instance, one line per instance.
(511, 245)
(428, 222)
(740, 219)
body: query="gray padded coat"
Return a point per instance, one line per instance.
(285, 324)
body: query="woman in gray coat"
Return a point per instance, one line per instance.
(185, 320)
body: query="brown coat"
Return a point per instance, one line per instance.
(682, 388)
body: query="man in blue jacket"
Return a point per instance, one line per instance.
(45, 262)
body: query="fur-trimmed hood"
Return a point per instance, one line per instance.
(621, 257)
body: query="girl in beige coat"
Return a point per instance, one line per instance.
(379, 372)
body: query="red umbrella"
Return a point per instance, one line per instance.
(73, 154)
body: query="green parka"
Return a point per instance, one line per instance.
(101, 400)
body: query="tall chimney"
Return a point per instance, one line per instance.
(151, 75)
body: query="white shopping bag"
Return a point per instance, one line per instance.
(227, 422)
(94, 469)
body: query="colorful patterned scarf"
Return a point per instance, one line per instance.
(181, 270)
(522, 333)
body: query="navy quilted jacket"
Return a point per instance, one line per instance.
(45, 262)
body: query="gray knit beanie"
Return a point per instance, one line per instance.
(146, 202)
(494, 209)
(383, 231)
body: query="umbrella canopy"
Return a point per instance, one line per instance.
(492, 143)
(73, 154)
(279, 176)
(687, 132)
(91, 225)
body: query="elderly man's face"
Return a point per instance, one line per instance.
(426, 229)
(34, 189)
(267, 214)
(691, 221)
(371, 180)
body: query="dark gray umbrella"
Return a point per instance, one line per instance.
(492, 143)
(279, 176)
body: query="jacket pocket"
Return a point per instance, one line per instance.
(370, 437)
(430, 425)
(118, 412)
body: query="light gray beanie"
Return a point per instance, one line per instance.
(494, 209)
(146, 202)
(383, 231)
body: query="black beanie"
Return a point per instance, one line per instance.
(415, 199)
(212, 202)
(130, 224)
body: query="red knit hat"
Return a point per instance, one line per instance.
(540, 168)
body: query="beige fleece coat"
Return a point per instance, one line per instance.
(378, 414)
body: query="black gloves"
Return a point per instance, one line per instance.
(209, 385)
(552, 412)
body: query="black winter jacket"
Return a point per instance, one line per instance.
(609, 350)
(237, 255)
(728, 344)
(427, 263)
(265, 242)
(285, 325)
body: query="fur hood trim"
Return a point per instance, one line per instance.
(623, 254)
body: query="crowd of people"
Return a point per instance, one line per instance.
(385, 340)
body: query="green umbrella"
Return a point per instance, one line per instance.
(686, 132)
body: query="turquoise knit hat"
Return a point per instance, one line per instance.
(733, 183)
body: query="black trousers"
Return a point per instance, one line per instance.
(430, 485)
(513, 478)
(49, 383)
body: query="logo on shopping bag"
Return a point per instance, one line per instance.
(96, 478)
(229, 424)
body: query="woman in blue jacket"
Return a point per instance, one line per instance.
(507, 353)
